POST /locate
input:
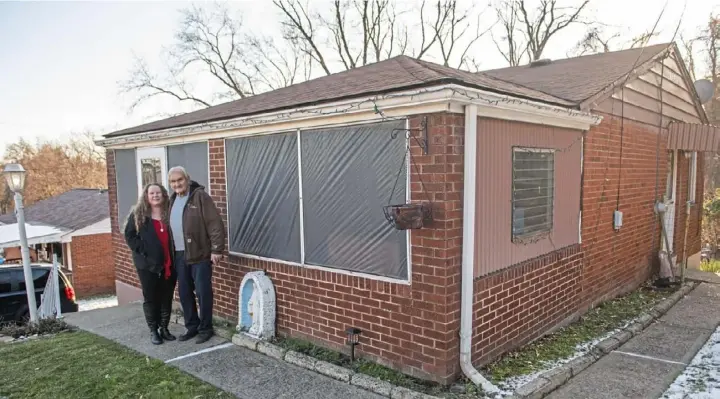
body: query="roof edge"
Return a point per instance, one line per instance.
(429, 83)
(447, 97)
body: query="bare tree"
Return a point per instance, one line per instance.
(702, 57)
(527, 33)
(596, 40)
(210, 42)
(451, 25)
(357, 32)
(513, 47)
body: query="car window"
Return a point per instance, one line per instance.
(5, 281)
(40, 277)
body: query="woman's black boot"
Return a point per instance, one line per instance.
(155, 337)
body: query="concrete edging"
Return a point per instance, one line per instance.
(552, 379)
(333, 371)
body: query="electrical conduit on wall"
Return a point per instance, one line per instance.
(468, 254)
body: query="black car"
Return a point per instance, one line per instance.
(13, 297)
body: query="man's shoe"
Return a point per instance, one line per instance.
(204, 337)
(166, 335)
(188, 335)
(155, 337)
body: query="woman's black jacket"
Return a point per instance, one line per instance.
(145, 245)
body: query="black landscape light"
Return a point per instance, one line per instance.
(353, 338)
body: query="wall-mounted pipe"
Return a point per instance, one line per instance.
(468, 254)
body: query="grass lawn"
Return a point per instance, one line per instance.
(712, 266)
(82, 365)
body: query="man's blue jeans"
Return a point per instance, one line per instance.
(195, 281)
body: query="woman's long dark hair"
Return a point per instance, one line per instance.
(143, 209)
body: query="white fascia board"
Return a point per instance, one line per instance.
(500, 106)
(444, 98)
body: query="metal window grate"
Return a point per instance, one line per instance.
(533, 191)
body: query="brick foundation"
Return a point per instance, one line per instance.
(518, 304)
(93, 265)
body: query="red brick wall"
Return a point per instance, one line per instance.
(616, 262)
(518, 304)
(93, 266)
(410, 327)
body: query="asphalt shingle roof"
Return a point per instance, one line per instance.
(565, 82)
(577, 79)
(72, 210)
(397, 73)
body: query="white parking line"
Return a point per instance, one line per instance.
(649, 358)
(206, 350)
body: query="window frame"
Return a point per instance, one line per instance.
(302, 263)
(518, 238)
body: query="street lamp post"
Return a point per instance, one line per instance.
(15, 178)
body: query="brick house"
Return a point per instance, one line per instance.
(80, 224)
(301, 175)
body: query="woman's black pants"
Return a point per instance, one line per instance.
(158, 296)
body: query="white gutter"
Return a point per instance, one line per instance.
(468, 254)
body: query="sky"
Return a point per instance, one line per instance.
(62, 61)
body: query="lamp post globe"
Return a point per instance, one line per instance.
(15, 178)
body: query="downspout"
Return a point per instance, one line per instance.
(468, 254)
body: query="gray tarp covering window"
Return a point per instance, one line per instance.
(193, 157)
(127, 183)
(348, 176)
(263, 196)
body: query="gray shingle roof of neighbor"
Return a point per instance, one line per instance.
(71, 210)
(565, 82)
(579, 78)
(394, 74)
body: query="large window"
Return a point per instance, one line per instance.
(263, 196)
(533, 189)
(319, 200)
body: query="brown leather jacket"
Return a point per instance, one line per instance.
(203, 227)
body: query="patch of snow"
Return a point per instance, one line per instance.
(97, 303)
(510, 385)
(701, 378)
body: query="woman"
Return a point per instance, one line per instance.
(147, 233)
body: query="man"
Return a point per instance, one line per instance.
(199, 236)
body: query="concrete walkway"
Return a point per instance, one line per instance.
(645, 366)
(244, 373)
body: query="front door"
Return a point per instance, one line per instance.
(670, 200)
(151, 167)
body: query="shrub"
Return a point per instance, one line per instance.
(42, 327)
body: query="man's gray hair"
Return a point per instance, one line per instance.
(178, 169)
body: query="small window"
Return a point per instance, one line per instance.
(533, 188)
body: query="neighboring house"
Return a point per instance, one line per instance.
(80, 222)
(524, 178)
